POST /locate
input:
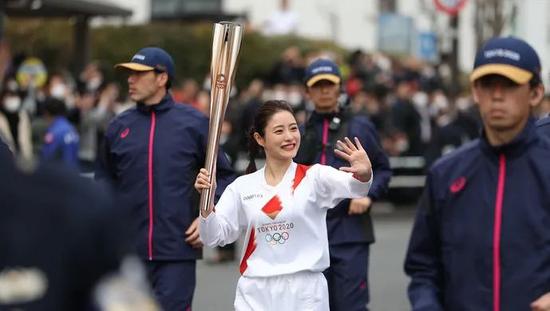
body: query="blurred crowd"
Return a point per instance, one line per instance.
(77, 108)
(408, 101)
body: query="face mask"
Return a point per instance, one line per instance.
(402, 145)
(443, 120)
(223, 138)
(440, 102)
(420, 99)
(58, 91)
(294, 98)
(279, 95)
(12, 85)
(93, 84)
(463, 104)
(12, 103)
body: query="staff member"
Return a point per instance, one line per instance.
(152, 154)
(60, 238)
(543, 126)
(350, 228)
(481, 239)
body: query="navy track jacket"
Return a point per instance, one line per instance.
(151, 157)
(543, 126)
(59, 230)
(342, 227)
(481, 239)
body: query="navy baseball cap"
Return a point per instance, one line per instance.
(510, 57)
(151, 58)
(322, 69)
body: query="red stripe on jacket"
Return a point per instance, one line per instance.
(497, 233)
(250, 248)
(299, 175)
(150, 184)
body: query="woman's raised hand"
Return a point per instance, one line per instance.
(358, 159)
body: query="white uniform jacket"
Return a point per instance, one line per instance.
(284, 224)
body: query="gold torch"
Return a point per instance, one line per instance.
(225, 51)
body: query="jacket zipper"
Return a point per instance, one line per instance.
(325, 141)
(150, 183)
(497, 232)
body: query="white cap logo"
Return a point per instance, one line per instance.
(321, 69)
(502, 53)
(138, 57)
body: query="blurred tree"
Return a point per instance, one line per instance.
(491, 17)
(189, 44)
(388, 6)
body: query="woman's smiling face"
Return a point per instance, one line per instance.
(282, 136)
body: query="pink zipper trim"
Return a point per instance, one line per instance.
(150, 179)
(497, 232)
(325, 140)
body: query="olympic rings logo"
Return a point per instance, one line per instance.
(277, 238)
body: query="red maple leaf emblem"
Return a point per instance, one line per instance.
(272, 207)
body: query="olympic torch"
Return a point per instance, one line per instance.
(225, 51)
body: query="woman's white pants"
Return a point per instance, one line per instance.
(300, 291)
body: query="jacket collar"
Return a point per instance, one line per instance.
(323, 115)
(517, 146)
(165, 103)
(319, 117)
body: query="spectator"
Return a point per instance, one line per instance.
(289, 69)
(94, 112)
(281, 22)
(61, 140)
(15, 124)
(188, 93)
(405, 117)
(91, 79)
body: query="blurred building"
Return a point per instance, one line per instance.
(413, 26)
(188, 10)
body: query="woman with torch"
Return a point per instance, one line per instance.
(282, 209)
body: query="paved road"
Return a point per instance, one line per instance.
(216, 283)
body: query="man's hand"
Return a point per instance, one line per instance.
(359, 206)
(192, 234)
(541, 304)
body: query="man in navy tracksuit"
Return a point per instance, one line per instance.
(61, 239)
(481, 239)
(152, 154)
(4, 149)
(543, 126)
(349, 225)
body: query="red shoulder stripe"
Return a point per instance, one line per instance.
(300, 174)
